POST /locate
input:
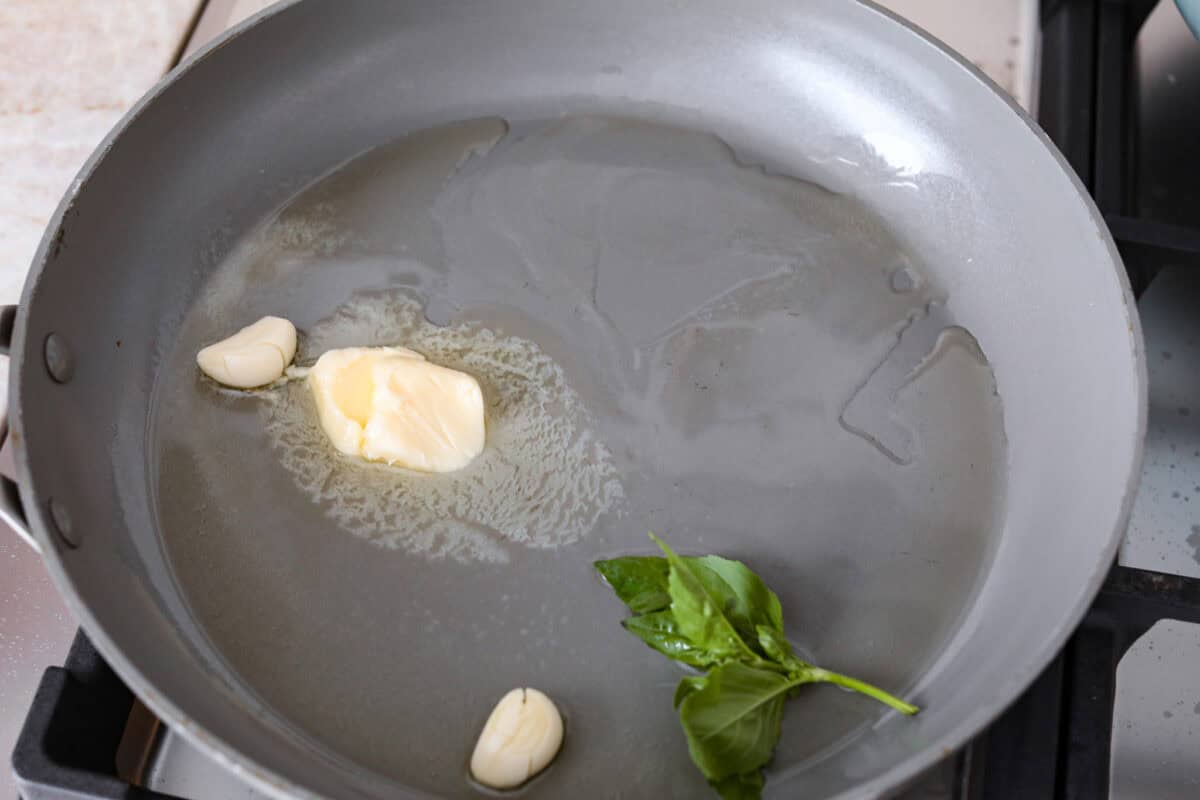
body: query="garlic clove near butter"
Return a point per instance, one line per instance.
(254, 356)
(521, 737)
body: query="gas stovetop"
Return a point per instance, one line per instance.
(1117, 713)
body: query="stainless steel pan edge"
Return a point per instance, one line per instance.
(27, 355)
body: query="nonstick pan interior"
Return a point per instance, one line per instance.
(719, 327)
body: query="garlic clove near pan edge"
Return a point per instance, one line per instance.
(521, 737)
(254, 356)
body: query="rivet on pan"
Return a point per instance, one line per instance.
(59, 361)
(60, 521)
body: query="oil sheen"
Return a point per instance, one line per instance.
(542, 480)
(669, 338)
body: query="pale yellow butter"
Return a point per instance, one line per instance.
(389, 404)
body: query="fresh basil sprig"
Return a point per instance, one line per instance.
(717, 615)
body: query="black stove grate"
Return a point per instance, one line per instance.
(1088, 106)
(1055, 741)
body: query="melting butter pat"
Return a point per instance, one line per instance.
(389, 404)
(254, 356)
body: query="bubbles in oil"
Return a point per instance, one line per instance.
(542, 481)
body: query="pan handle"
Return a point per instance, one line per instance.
(12, 511)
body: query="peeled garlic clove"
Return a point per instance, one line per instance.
(254, 356)
(520, 738)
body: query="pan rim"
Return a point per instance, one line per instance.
(276, 785)
(143, 688)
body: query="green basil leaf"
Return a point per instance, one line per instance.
(752, 601)
(724, 598)
(639, 581)
(692, 683)
(715, 613)
(660, 630)
(776, 647)
(732, 720)
(743, 786)
(700, 615)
